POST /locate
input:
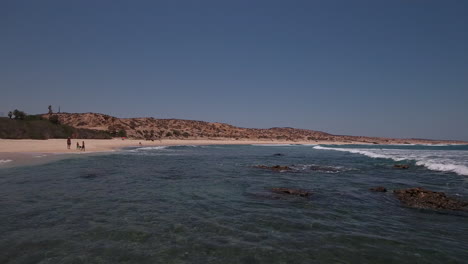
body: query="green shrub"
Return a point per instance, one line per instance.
(33, 117)
(54, 119)
(122, 133)
(177, 133)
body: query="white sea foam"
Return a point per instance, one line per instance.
(438, 160)
(360, 151)
(151, 148)
(441, 145)
(319, 168)
(3, 161)
(458, 169)
(272, 145)
(145, 149)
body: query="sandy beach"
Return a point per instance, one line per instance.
(59, 146)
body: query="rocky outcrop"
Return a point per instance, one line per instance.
(296, 192)
(378, 189)
(401, 166)
(274, 168)
(423, 198)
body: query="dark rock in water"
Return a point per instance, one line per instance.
(265, 196)
(401, 166)
(297, 192)
(422, 198)
(278, 154)
(293, 168)
(378, 189)
(324, 168)
(89, 176)
(274, 168)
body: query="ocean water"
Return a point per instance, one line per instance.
(209, 204)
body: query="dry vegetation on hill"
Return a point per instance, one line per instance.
(151, 128)
(35, 127)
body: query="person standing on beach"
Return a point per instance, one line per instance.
(82, 146)
(78, 145)
(68, 143)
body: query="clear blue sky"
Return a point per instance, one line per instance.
(374, 68)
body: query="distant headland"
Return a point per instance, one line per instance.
(19, 125)
(148, 128)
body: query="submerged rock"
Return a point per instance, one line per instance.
(278, 154)
(378, 189)
(423, 198)
(401, 166)
(263, 196)
(89, 176)
(274, 168)
(324, 168)
(297, 192)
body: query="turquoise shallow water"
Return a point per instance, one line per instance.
(208, 204)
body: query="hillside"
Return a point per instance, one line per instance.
(36, 127)
(151, 128)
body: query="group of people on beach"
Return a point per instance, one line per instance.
(78, 147)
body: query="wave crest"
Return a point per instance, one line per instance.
(148, 148)
(272, 145)
(458, 169)
(452, 161)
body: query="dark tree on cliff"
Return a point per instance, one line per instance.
(50, 109)
(19, 114)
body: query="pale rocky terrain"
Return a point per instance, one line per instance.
(151, 128)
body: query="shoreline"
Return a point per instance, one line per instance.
(19, 152)
(58, 146)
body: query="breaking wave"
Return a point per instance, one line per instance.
(150, 148)
(319, 168)
(358, 151)
(282, 145)
(272, 145)
(438, 160)
(2, 161)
